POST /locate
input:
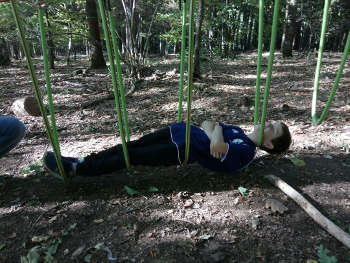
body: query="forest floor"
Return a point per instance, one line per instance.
(180, 214)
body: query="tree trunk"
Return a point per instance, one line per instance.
(211, 40)
(250, 31)
(97, 59)
(50, 43)
(4, 53)
(290, 29)
(197, 44)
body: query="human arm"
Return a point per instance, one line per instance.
(218, 147)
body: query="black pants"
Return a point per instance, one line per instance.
(154, 149)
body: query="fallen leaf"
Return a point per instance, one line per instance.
(311, 261)
(2, 246)
(239, 200)
(98, 221)
(196, 206)
(327, 156)
(87, 258)
(205, 237)
(188, 203)
(39, 239)
(275, 206)
(53, 219)
(100, 245)
(78, 252)
(13, 235)
(130, 191)
(243, 191)
(153, 189)
(297, 162)
(72, 226)
(255, 222)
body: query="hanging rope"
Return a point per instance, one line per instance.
(114, 80)
(36, 88)
(318, 69)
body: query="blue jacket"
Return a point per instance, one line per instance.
(240, 153)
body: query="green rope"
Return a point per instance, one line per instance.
(258, 70)
(114, 80)
(318, 69)
(182, 65)
(189, 77)
(119, 71)
(47, 77)
(36, 88)
(269, 68)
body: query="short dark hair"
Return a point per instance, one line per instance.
(280, 144)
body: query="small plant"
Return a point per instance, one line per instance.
(33, 169)
(45, 253)
(243, 191)
(92, 128)
(323, 257)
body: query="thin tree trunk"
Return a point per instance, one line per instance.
(290, 29)
(50, 43)
(97, 59)
(197, 44)
(4, 53)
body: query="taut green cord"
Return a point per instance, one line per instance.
(258, 69)
(119, 71)
(47, 77)
(36, 88)
(269, 69)
(114, 80)
(189, 80)
(318, 69)
(182, 65)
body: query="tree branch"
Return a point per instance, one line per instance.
(316, 215)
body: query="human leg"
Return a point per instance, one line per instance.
(164, 154)
(11, 132)
(158, 137)
(152, 149)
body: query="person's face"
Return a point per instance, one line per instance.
(272, 130)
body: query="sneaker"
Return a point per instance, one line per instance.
(50, 164)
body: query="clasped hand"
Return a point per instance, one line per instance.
(218, 148)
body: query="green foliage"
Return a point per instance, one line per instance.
(32, 256)
(323, 257)
(47, 251)
(172, 26)
(33, 169)
(230, 26)
(130, 191)
(243, 191)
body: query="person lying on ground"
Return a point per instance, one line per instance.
(12, 131)
(218, 147)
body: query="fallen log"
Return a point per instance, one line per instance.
(312, 211)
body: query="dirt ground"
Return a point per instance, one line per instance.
(179, 214)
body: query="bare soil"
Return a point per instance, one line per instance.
(180, 214)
